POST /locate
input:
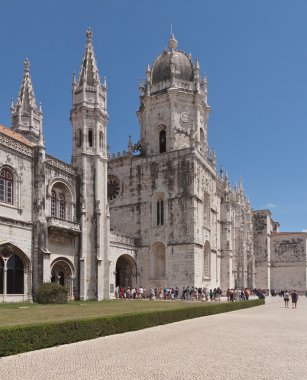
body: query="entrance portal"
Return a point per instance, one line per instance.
(62, 274)
(126, 274)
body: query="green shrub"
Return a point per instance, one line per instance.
(17, 339)
(50, 292)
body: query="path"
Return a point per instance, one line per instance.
(266, 342)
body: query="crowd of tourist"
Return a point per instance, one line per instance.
(184, 294)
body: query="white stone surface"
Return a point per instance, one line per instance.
(266, 342)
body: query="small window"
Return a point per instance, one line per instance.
(162, 141)
(90, 138)
(160, 213)
(79, 138)
(6, 186)
(61, 206)
(53, 204)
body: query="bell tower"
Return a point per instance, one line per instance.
(173, 111)
(89, 119)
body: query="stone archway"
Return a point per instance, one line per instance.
(62, 273)
(126, 273)
(14, 273)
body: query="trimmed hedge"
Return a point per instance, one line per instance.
(23, 338)
(50, 292)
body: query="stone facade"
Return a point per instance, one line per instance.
(157, 215)
(280, 257)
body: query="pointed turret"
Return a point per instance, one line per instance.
(89, 119)
(87, 89)
(89, 74)
(26, 117)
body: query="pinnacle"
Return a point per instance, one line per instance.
(26, 97)
(89, 71)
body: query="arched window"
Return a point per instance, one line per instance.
(162, 141)
(90, 138)
(100, 140)
(79, 138)
(53, 204)
(15, 271)
(61, 206)
(6, 186)
(1, 275)
(207, 261)
(160, 212)
(158, 260)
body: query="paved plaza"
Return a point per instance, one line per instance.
(266, 342)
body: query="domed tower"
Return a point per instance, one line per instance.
(173, 111)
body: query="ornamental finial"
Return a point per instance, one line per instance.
(89, 35)
(27, 65)
(172, 43)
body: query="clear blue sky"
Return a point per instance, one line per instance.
(254, 54)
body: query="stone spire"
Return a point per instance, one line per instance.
(26, 97)
(26, 117)
(89, 74)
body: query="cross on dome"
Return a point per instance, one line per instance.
(172, 43)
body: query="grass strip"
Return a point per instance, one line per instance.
(24, 338)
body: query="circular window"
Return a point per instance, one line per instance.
(113, 187)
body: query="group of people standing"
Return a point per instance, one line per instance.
(294, 298)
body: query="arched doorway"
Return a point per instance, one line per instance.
(62, 273)
(126, 273)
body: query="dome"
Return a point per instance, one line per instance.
(161, 70)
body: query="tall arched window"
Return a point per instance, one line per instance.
(1, 275)
(90, 138)
(6, 186)
(61, 206)
(79, 137)
(162, 141)
(160, 212)
(15, 274)
(53, 204)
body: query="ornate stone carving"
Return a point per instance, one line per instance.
(60, 165)
(11, 143)
(61, 223)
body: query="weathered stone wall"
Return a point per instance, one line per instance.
(263, 227)
(288, 261)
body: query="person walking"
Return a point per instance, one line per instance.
(286, 298)
(294, 298)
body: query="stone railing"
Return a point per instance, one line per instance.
(59, 164)
(122, 239)
(61, 223)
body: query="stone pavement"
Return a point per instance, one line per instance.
(266, 342)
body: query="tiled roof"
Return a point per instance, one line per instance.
(15, 135)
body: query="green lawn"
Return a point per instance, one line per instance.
(27, 313)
